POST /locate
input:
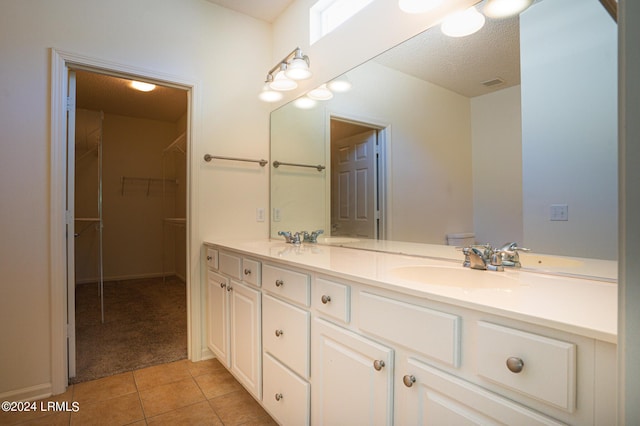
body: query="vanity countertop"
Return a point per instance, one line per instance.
(583, 306)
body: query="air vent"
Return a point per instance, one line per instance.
(493, 82)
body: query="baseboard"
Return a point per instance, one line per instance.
(31, 393)
(206, 354)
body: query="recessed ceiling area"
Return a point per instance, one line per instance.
(265, 10)
(114, 95)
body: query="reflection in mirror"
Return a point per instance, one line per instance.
(509, 134)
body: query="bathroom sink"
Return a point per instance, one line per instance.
(457, 276)
(337, 240)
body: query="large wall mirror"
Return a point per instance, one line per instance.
(509, 134)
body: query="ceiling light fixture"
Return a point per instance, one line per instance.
(418, 6)
(505, 8)
(463, 23)
(143, 87)
(283, 76)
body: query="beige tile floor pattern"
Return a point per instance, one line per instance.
(178, 393)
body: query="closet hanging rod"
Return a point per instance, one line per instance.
(209, 157)
(319, 167)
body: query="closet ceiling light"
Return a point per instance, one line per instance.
(143, 87)
(505, 8)
(463, 23)
(418, 6)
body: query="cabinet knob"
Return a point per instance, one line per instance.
(222, 285)
(326, 299)
(279, 333)
(229, 288)
(378, 364)
(279, 283)
(209, 258)
(409, 380)
(247, 271)
(515, 364)
(278, 396)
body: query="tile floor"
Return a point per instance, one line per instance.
(181, 392)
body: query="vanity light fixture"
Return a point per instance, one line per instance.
(283, 76)
(505, 8)
(418, 6)
(304, 102)
(463, 23)
(321, 93)
(339, 85)
(143, 87)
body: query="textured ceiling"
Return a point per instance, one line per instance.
(462, 64)
(114, 95)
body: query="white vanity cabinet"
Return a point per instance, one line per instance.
(338, 348)
(234, 318)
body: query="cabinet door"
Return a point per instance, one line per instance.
(352, 378)
(246, 362)
(428, 396)
(218, 316)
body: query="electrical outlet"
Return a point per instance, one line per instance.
(559, 212)
(260, 214)
(276, 214)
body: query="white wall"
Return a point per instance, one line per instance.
(190, 39)
(497, 167)
(569, 105)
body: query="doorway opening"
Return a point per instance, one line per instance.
(358, 189)
(127, 192)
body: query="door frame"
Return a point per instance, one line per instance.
(61, 63)
(383, 180)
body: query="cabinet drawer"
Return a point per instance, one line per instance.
(286, 396)
(548, 366)
(251, 271)
(332, 299)
(212, 258)
(431, 333)
(230, 264)
(285, 334)
(286, 284)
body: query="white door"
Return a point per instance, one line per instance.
(352, 378)
(353, 186)
(71, 265)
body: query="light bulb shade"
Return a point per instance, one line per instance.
(505, 8)
(463, 23)
(269, 95)
(142, 86)
(298, 69)
(304, 102)
(282, 82)
(339, 85)
(321, 93)
(418, 6)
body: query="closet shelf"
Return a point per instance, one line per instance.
(179, 144)
(144, 180)
(177, 221)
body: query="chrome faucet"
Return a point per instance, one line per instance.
(294, 238)
(486, 259)
(510, 256)
(313, 236)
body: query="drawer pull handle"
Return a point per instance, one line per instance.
(409, 380)
(279, 333)
(279, 283)
(378, 364)
(209, 258)
(222, 285)
(326, 299)
(278, 396)
(247, 271)
(515, 364)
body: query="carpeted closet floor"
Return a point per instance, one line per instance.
(145, 324)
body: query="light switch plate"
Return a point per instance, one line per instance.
(559, 212)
